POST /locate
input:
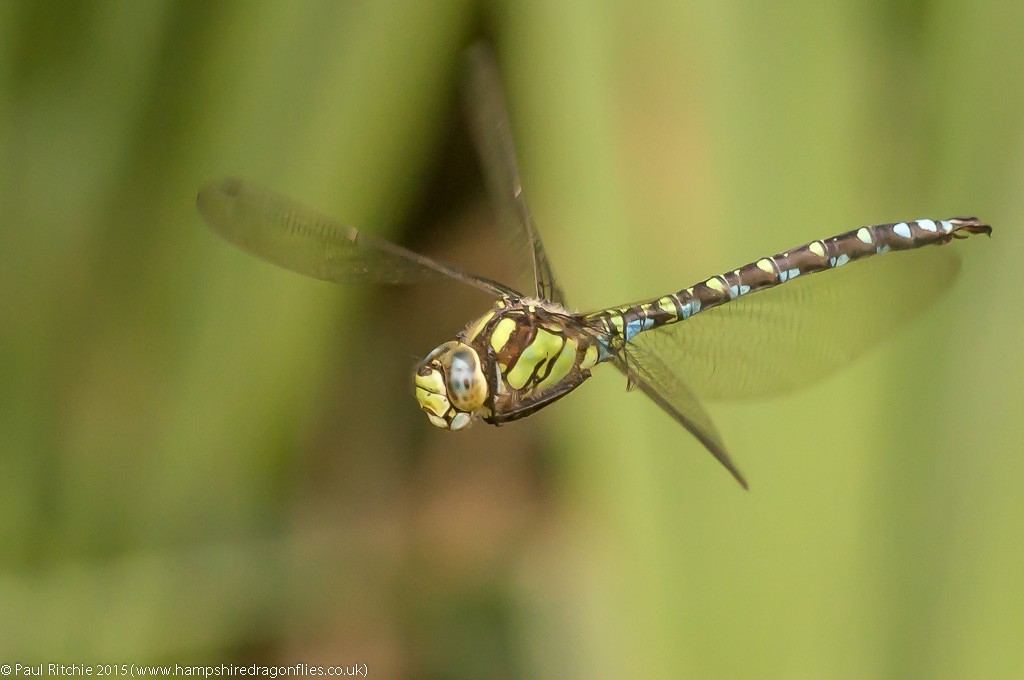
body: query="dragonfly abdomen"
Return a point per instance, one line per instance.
(623, 324)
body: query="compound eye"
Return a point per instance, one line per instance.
(467, 388)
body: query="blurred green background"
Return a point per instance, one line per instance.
(206, 459)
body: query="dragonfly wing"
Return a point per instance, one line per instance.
(799, 332)
(647, 371)
(492, 134)
(290, 235)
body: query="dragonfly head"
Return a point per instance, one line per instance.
(450, 385)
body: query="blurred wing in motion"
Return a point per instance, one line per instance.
(290, 235)
(493, 136)
(647, 371)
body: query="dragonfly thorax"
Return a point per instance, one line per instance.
(519, 357)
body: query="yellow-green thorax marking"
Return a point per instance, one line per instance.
(520, 356)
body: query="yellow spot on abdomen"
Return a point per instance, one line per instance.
(715, 284)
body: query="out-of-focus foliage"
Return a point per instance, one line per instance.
(208, 460)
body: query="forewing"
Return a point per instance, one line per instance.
(647, 371)
(290, 235)
(492, 134)
(796, 333)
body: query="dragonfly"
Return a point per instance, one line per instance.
(763, 328)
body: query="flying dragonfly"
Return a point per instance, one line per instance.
(528, 351)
